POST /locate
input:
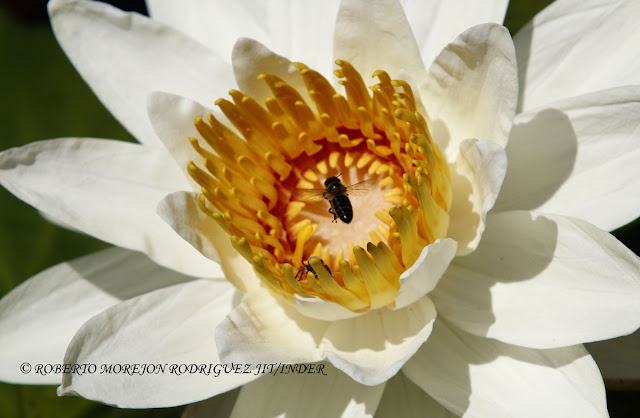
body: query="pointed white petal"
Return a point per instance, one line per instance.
(39, 317)
(575, 47)
(170, 326)
(108, 189)
(181, 212)
(580, 157)
(476, 180)
(618, 359)
(126, 56)
(478, 376)
(263, 329)
(251, 58)
(436, 23)
(375, 35)
(402, 398)
(472, 88)
(373, 347)
(543, 281)
(214, 23)
(422, 277)
(322, 391)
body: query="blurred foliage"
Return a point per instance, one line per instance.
(43, 97)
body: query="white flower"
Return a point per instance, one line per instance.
(505, 324)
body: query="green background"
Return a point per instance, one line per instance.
(44, 97)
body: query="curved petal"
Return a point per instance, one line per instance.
(172, 118)
(180, 210)
(216, 24)
(471, 90)
(108, 189)
(319, 391)
(321, 309)
(436, 23)
(263, 329)
(478, 376)
(618, 360)
(589, 147)
(403, 399)
(375, 35)
(126, 56)
(40, 310)
(422, 277)
(373, 347)
(251, 58)
(543, 281)
(168, 334)
(577, 46)
(476, 180)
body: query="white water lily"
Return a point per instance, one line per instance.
(511, 310)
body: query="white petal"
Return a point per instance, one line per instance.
(436, 23)
(578, 46)
(543, 281)
(214, 23)
(322, 391)
(126, 56)
(477, 376)
(39, 317)
(476, 179)
(303, 31)
(171, 326)
(251, 58)
(472, 87)
(580, 157)
(317, 308)
(618, 359)
(422, 277)
(402, 398)
(263, 329)
(173, 118)
(181, 212)
(375, 35)
(373, 347)
(108, 189)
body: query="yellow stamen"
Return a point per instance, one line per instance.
(376, 133)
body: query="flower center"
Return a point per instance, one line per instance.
(268, 188)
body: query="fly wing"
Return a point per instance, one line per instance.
(308, 195)
(361, 188)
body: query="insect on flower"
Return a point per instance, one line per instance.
(337, 194)
(306, 269)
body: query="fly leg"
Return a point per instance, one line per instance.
(335, 217)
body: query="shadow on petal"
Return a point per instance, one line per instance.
(542, 153)
(470, 374)
(515, 247)
(466, 221)
(119, 264)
